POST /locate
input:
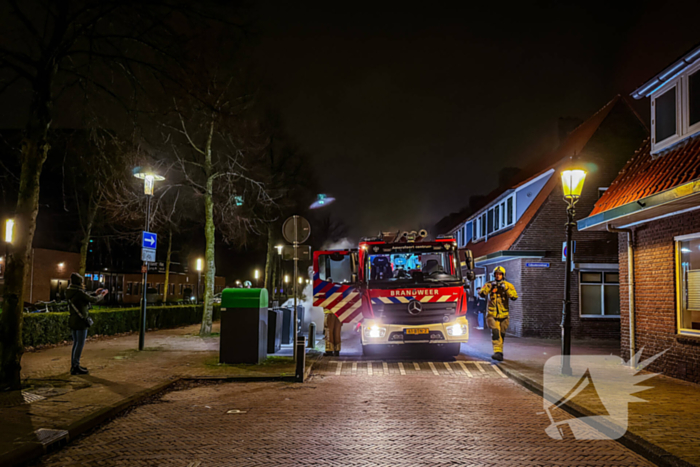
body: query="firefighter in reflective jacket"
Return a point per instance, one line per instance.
(499, 293)
(331, 327)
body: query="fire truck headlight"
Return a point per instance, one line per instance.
(375, 331)
(457, 330)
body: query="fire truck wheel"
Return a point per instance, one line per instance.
(451, 350)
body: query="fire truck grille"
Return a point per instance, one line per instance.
(397, 313)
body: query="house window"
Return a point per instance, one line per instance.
(665, 115)
(599, 293)
(510, 210)
(490, 222)
(129, 288)
(694, 98)
(496, 218)
(182, 288)
(688, 285)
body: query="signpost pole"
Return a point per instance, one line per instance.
(144, 284)
(296, 289)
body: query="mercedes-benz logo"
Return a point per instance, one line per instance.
(414, 307)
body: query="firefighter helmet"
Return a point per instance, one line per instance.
(500, 269)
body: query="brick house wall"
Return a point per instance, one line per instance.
(655, 298)
(543, 288)
(44, 267)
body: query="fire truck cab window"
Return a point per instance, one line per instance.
(335, 268)
(404, 266)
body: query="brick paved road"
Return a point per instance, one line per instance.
(414, 419)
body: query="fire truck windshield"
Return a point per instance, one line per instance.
(434, 265)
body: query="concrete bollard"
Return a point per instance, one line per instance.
(312, 335)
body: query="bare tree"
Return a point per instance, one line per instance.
(95, 166)
(215, 150)
(50, 49)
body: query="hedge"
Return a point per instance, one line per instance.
(52, 328)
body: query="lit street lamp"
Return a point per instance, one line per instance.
(149, 180)
(9, 230)
(257, 277)
(572, 184)
(279, 268)
(198, 267)
(9, 236)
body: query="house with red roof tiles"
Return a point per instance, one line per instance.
(654, 206)
(521, 226)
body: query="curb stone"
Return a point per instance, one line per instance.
(631, 441)
(32, 450)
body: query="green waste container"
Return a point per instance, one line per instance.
(243, 326)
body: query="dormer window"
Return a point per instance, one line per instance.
(675, 109)
(664, 115)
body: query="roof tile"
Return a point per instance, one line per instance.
(646, 174)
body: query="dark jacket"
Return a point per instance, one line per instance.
(81, 299)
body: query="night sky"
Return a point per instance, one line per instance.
(406, 111)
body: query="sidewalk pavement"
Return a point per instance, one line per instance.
(55, 405)
(664, 429)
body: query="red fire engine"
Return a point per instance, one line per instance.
(402, 288)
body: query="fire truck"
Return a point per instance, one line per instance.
(402, 288)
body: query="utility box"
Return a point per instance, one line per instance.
(287, 329)
(274, 330)
(244, 317)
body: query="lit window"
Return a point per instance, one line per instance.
(600, 293)
(688, 268)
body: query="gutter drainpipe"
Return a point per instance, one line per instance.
(630, 283)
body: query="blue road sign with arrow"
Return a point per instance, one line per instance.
(149, 240)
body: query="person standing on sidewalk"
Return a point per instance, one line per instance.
(499, 293)
(79, 320)
(331, 329)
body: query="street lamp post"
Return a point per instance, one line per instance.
(149, 179)
(572, 184)
(199, 277)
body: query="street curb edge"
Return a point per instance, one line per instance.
(631, 441)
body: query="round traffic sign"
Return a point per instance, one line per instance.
(296, 229)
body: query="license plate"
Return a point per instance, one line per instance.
(417, 331)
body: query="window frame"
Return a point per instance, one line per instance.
(494, 216)
(602, 284)
(679, 302)
(688, 129)
(683, 127)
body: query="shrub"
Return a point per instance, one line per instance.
(52, 328)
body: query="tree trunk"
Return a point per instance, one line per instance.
(34, 151)
(85, 243)
(210, 238)
(269, 260)
(167, 265)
